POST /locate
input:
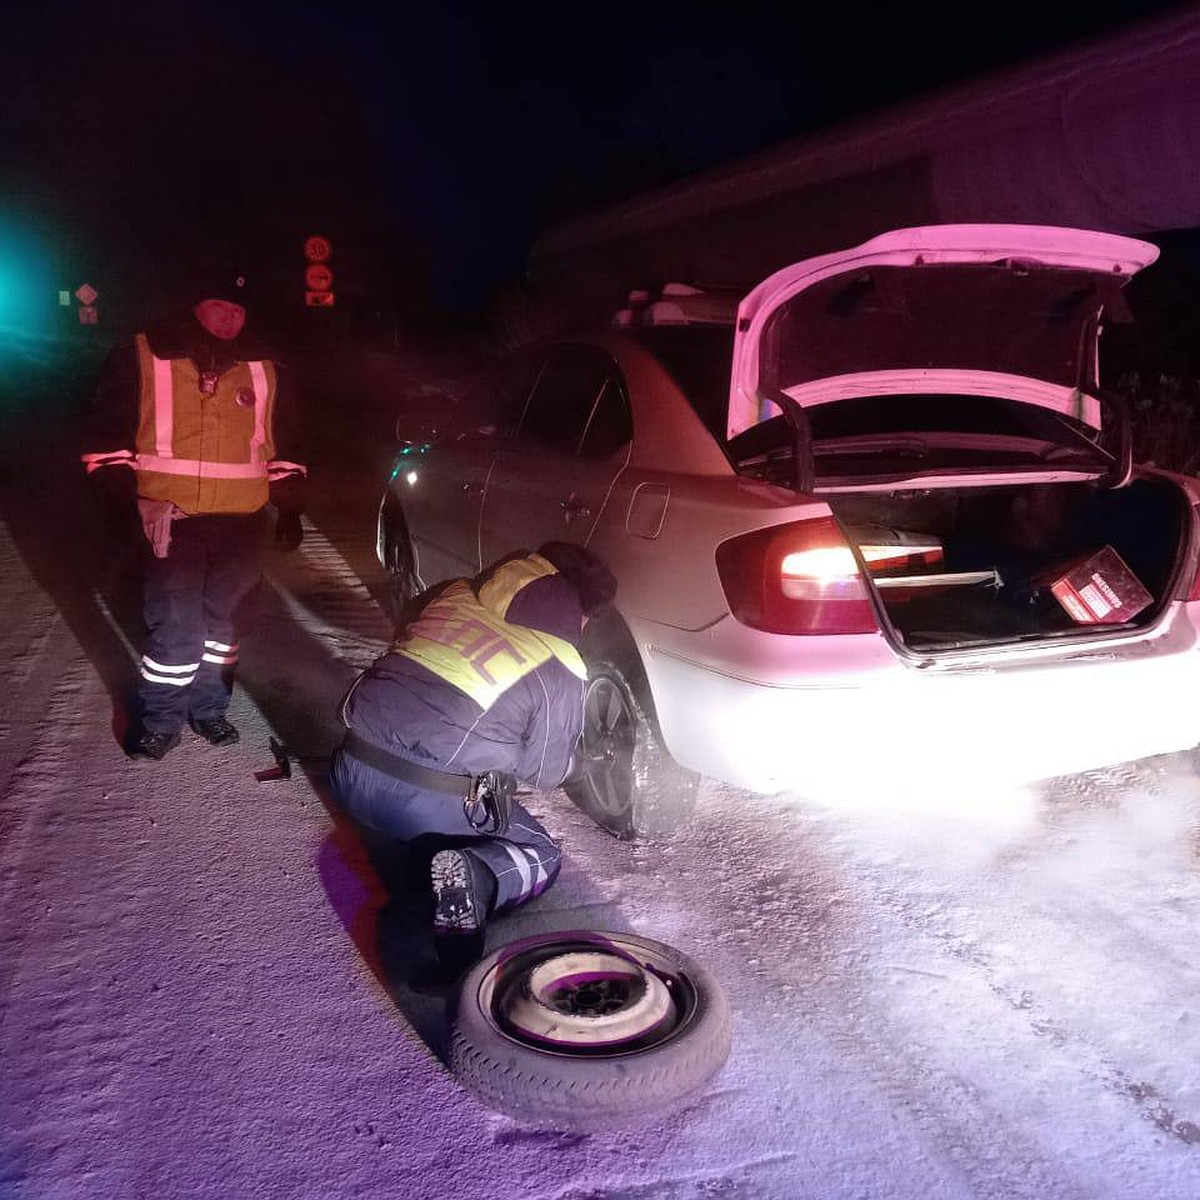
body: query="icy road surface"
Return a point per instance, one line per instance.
(205, 980)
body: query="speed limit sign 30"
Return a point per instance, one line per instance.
(318, 249)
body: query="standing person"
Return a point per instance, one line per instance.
(484, 687)
(193, 423)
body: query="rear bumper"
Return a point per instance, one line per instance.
(1009, 724)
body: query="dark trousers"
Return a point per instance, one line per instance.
(523, 863)
(188, 603)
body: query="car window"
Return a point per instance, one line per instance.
(609, 427)
(493, 404)
(566, 397)
(700, 360)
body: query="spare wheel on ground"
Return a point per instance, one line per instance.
(587, 1030)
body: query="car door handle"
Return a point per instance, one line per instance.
(471, 489)
(574, 510)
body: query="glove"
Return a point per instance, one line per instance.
(116, 487)
(574, 773)
(115, 492)
(289, 530)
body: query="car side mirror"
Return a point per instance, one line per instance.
(414, 430)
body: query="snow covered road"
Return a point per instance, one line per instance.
(206, 981)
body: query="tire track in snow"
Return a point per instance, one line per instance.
(33, 655)
(841, 914)
(1076, 972)
(984, 1154)
(1139, 944)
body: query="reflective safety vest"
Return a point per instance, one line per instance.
(203, 453)
(463, 638)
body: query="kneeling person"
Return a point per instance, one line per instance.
(483, 688)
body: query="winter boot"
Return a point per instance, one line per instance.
(154, 746)
(217, 731)
(459, 909)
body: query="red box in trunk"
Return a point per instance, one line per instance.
(1097, 590)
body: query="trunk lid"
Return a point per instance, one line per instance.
(973, 346)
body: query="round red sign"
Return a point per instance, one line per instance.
(318, 277)
(318, 249)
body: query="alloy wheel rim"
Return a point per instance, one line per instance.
(609, 737)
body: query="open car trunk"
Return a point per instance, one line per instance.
(962, 353)
(958, 568)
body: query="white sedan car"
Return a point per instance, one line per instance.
(876, 515)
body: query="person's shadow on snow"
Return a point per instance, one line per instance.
(79, 550)
(381, 892)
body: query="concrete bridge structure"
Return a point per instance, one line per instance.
(1104, 135)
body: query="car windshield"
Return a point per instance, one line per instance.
(700, 360)
(905, 435)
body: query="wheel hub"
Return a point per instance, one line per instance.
(588, 998)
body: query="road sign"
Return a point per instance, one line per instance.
(64, 299)
(318, 299)
(88, 315)
(87, 294)
(318, 249)
(318, 277)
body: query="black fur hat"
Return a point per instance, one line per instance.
(594, 582)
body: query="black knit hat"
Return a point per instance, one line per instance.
(211, 279)
(594, 582)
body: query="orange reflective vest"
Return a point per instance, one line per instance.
(203, 453)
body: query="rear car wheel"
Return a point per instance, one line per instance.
(586, 1030)
(625, 779)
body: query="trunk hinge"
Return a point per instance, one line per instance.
(803, 467)
(1120, 473)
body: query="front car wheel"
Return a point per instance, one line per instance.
(395, 554)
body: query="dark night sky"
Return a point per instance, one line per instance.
(430, 143)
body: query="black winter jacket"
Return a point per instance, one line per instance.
(487, 677)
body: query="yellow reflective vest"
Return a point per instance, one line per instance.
(478, 681)
(464, 638)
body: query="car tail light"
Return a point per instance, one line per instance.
(1194, 590)
(797, 578)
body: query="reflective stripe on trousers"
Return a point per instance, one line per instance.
(524, 863)
(188, 602)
